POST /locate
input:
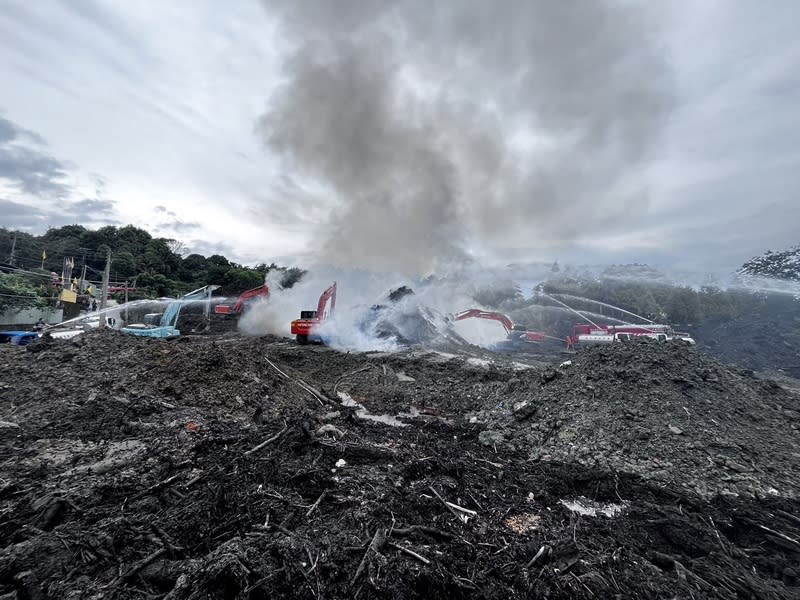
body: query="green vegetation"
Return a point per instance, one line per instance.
(17, 291)
(656, 301)
(158, 266)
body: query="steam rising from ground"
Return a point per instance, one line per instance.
(357, 326)
(431, 131)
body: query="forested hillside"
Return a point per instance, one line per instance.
(158, 266)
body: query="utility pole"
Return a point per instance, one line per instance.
(104, 297)
(126, 301)
(13, 247)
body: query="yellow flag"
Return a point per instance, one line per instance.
(44, 255)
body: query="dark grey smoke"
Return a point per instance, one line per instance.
(441, 127)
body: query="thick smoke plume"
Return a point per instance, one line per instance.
(433, 131)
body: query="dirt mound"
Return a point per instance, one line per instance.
(224, 373)
(663, 410)
(234, 468)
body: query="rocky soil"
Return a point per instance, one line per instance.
(230, 467)
(666, 411)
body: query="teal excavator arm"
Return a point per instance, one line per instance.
(168, 326)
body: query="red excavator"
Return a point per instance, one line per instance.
(304, 328)
(515, 333)
(236, 309)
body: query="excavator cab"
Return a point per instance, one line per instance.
(305, 328)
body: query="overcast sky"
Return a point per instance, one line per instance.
(381, 133)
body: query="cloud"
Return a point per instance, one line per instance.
(174, 224)
(10, 131)
(37, 178)
(27, 167)
(165, 210)
(38, 217)
(20, 216)
(180, 226)
(93, 205)
(207, 248)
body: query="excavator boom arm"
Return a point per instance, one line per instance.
(520, 334)
(262, 290)
(170, 318)
(327, 295)
(476, 313)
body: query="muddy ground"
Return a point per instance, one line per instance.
(230, 467)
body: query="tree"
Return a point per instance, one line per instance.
(157, 285)
(238, 280)
(132, 236)
(123, 263)
(716, 303)
(17, 291)
(61, 242)
(158, 258)
(683, 306)
(67, 231)
(176, 247)
(193, 269)
(264, 268)
(158, 263)
(217, 267)
(291, 276)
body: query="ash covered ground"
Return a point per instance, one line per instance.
(222, 466)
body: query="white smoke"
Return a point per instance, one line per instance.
(479, 332)
(355, 325)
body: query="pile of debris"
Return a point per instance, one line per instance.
(404, 321)
(664, 410)
(242, 468)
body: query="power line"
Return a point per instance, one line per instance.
(42, 275)
(60, 254)
(38, 245)
(25, 272)
(21, 296)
